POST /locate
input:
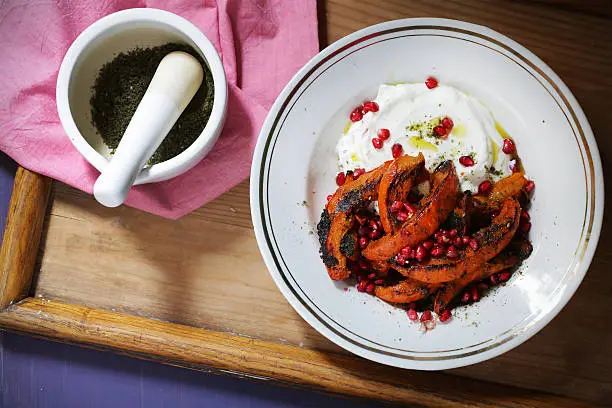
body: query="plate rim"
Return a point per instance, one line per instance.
(453, 361)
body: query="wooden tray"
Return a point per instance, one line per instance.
(195, 292)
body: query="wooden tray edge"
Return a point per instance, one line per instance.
(21, 240)
(196, 348)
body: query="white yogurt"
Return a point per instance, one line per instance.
(410, 111)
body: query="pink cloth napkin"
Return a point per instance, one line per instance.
(262, 43)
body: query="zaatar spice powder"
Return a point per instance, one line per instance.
(120, 86)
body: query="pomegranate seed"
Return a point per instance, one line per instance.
(363, 242)
(448, 123)
(465, 240)
(428, 245)
(379, 281)
(431, 82)
(383, 134)
(485, 187)
(329, 197)
(363, 264)
(466, 161)
(493, 280)
(483, 286)
(356, 115)
(453, 233)
(377, 143)
(426, 316)
(340, 179)
(421, 253)
(437, 252)
(413, 254)
(409, 208)
(430, 325)
(375, 235)
(397, 206)
(401, 259)
(474, 244)
(358, 173)
(413, 315)
(402, 216)
(525, 215)
(373, 225)
(372, 276)
(445, 239)
(451, 252)
(504, 276)
(406, 251)
(466, 297)
(370, 106)
(397, 150)
(508, 146)
(439, 131)
(529, 186)
(361, 286)
(445, 233)
(363, 230)
(525, 225)
(370, 288)
(445, 315)
(458, 242)
(475, 295)
(514, 166)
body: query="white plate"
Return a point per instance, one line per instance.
(295, 165)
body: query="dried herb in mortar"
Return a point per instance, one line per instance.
(120, 86)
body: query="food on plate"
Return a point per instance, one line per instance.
(395, 185)
(421, 230)
(435, 208)
(484, 245)
(508, 258)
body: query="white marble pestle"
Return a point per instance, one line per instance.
(176, 80)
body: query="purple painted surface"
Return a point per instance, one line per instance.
(42, 374)
(7, 172)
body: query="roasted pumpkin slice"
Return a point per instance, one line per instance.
(505, 188)
(406, 291)
(517, 250)
(449, 290)
(395, 185)
(338, 244)
(491, 241)
(435, 208)
(356, 193)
